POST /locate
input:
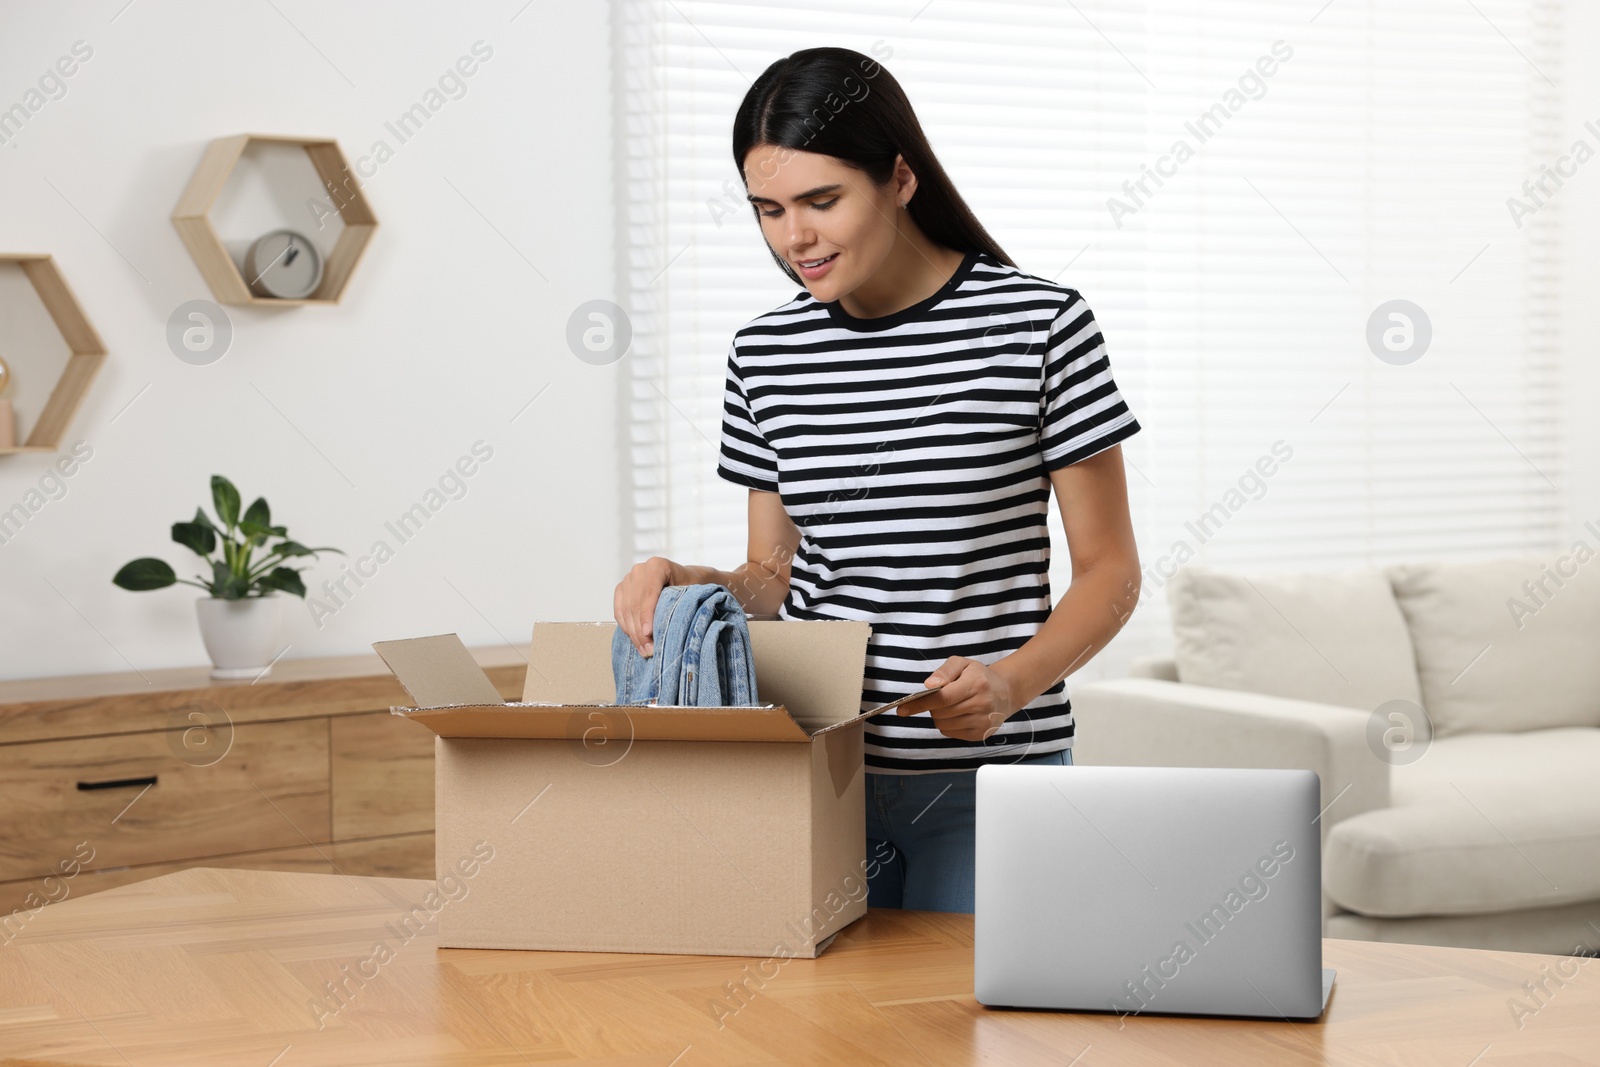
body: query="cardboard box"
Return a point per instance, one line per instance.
(591, 826)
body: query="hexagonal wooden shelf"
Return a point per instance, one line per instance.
(88, 352)
(222, 274)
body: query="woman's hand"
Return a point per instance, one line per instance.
(634, 602)
(973, 699)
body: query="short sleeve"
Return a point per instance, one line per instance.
(1081, 410)
(744, 458)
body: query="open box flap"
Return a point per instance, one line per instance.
(438, 670)
(816, 729)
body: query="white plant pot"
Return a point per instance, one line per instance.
(241, 636)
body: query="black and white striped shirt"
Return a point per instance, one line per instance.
(912, 451)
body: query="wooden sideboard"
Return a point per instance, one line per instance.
(112, 778)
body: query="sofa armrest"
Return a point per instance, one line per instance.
(1153, 723)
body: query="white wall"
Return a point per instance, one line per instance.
(343, 417)
(1580, 276)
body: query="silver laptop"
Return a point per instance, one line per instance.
(1149, 890)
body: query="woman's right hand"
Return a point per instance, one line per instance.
(634, 602)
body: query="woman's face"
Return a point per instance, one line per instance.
(813, 207)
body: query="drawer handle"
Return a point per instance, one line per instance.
(118, 783)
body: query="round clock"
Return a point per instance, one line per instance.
(283, 264)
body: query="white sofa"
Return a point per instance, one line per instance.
(1475, 823)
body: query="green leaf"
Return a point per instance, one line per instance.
(201, 539)
(257, 533)
(286, 579)
(225, 498)
(258, 514)
(225, 584)
(146, 573)
(202, 519)
(292, 548)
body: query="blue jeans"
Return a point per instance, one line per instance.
(700, 653)
(921, 838)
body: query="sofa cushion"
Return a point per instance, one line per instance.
(1481, 823)
(1334, 638)
(1495, 651)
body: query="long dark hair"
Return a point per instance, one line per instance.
(837, 102)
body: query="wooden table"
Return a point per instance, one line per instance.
(223, 967)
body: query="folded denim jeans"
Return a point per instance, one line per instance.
(701, 655)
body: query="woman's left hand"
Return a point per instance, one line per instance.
(973, 699)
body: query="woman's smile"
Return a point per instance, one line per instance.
(816, 268)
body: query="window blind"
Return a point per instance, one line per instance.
(1337, 157)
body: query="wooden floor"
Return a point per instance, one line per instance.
(235, 967)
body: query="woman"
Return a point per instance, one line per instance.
(900, 424)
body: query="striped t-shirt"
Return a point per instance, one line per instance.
(912, 452)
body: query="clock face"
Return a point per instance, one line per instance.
(283, 264)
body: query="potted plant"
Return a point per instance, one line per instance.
(240, 615)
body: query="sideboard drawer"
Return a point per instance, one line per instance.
(135, 801)
(382, 776)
